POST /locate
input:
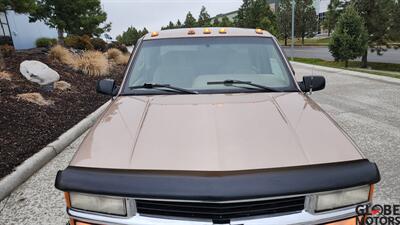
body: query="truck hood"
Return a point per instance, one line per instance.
(216, 132)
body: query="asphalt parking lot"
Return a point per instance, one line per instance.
(367, 109)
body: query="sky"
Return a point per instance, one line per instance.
(153, 14)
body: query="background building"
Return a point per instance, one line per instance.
(321, 7)
(22, 34)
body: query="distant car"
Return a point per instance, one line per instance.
(211, 127)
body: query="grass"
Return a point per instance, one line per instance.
(117, 56)
(63, 55)
(35, 98)
(382, 69)
(93, 63)
(307, 42)
(62, 85)
(4, 75)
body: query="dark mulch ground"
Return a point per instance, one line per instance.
(25, 128)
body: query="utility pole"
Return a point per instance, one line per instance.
(293, 6)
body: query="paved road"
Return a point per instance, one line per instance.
(391, 56)
(367, 109)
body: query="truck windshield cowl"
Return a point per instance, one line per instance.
(193, 63)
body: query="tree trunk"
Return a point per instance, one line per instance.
(286, 40)
(329, 32)
(346, 63)
(60, 33)
(302, 40)
(364, 60)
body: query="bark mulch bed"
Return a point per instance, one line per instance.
(25, 127)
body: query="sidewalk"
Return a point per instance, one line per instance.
(37, 201)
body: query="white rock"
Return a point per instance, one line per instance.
(38, 72)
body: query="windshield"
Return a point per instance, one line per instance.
(195, 63)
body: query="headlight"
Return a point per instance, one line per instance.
(342, 198)
(100, 204)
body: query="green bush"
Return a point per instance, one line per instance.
(78, 42)
(45, 42)
(99, 44)
(118, 46)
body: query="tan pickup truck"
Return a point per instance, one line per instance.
(210, 127)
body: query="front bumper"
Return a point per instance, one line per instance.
(301, 218)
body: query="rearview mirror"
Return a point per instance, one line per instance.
(107, 87)
(312, 83)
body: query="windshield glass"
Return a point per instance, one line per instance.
(194, 63)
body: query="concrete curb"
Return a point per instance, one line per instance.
(349, 72)
(38, 160)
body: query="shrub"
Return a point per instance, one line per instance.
(63, 55)
(7, 50)
(350, 39)
(123, 59)
(119, 46)
(78, 42)
(113, 53)
(45, 42)
(117, 56)
(93, 63)
(35, 98)
(98, 44)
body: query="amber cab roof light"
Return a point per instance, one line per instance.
(154, 34)
(207, 31)
(259, 31)
(222, 31)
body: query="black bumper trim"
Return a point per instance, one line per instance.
(218, 186)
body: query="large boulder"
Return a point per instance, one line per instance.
(38, 72)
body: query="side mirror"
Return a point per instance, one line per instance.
(312, 83)
(107, 87)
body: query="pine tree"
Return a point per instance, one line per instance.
(190, 21)
(226, 22)
(72, 16)
(241, 19)
(377, 16)
(178, 24)
(306, 19)
(395, 24)
(216, 22)
(131, 36)
(256, 14)
(350, 38)
(204, 18)
(284, 19)
(19, 6)
(332, 15)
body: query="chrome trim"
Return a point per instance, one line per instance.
(300, 218)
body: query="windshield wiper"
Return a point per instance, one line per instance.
(159, 86)
(232, 82)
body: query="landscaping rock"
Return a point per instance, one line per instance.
(35, 98)
(38, 72)
(62, 85)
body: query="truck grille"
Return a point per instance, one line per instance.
(220, 211)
